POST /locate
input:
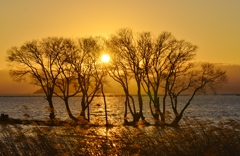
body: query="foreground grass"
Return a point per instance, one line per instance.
(193, 137)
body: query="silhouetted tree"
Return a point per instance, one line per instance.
(125, 45)
(179, 57)
(182, 81)
(102, 80)
(86, 67)
(36, 60)
(155, 64)
(67, 78)
(121, 74)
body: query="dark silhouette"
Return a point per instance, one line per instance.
(193, 81)
(159, 63)
(156, 65)
(35, 61)
(88, 72)
(67, 77)
(127, 63)
(4, 117)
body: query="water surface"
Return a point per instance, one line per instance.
(203, 107)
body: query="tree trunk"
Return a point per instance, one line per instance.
(69, 111)
(105, 104)
(156, 115)
(175, 122)
(52, 114)
(82, 113)
(140, 102)
(88, 109)
(162, 118)
(125, 110)
(136, 117)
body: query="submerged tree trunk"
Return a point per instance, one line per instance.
(88, 109)
(69, 111)
(125, 114)
(157, 112)
(132, 110)
(125, 110)
(140, 104)
(163, 117)
(126, 105)
(175, 122)
(136, 117)
(105, 104)
(82, 113)
(51, 108)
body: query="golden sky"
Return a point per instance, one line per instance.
(214, 26)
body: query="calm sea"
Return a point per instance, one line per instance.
(203, 107)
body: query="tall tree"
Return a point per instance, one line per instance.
(155, 64)
(183, 81)
(35, 60)
(86, 67)
(67, 80)
(121, 74)
(155, 67)
(179, 57)
(125, 45)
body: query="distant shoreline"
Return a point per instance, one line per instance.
(107, 95)
(42, 95)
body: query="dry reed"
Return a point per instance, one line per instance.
(192, 137)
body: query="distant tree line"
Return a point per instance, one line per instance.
(152, 63)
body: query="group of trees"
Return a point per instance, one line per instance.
(159, 63)
(60, 64)
(152, 63)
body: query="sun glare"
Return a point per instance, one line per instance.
(105, 58)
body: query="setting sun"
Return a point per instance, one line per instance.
(105, 58)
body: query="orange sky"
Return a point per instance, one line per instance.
(214, 26)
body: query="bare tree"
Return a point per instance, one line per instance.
(121, 74)
(35, 60)
(193, 81)
(86, 67)
(155, 66)
(102, 79)
(125, 45)
(179, 56)
(67, 80)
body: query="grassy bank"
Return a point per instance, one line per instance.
(193, 137)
